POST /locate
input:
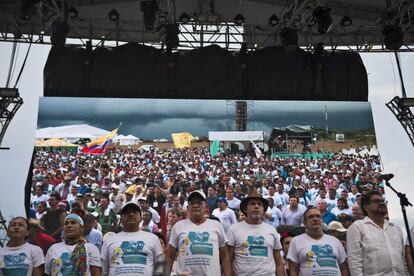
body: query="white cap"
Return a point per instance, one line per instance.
(336, 226)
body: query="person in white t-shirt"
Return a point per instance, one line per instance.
(19, 257)
(73, 256)
(226, 215)
(254, 245)
(315, 253)
(198, 243)
(132, 251)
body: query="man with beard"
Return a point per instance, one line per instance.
(315, 253)
(254, 245)
(131, 251)
(375, 246)
(198, 243)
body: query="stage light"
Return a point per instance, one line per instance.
(113, 15)
(323, 18)
(289, 38)
(345, 21)
(73, 12)
(239, 19)
(393, 37)
(59, 31)
(9, 93)
(273, 20)
(149, 8)
(407, 102)
(184, 18)
(27, 9)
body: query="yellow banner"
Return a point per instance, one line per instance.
(182, 140)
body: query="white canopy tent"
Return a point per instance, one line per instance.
(128, 140)
(238, 136)
(71, 132)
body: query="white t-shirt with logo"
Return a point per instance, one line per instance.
(198, 246)
(20, 260)
(58, 259)
(131, 253)
(253, 248)
(317, 257)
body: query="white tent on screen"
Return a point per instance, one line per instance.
(71, 133)
(240, 140)
(128, 140)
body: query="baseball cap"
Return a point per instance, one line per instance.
(336, 226)
(130, 205)
(196, 194)
(222, 199)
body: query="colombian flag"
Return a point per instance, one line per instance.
(182, 140)
(100, 144)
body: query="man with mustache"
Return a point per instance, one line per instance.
(198, 243)
(315, 253)
(375, 245)
(131, 251)
(254, 245)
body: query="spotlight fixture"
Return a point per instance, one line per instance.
(113, 15)
(345, 21)
(289, 38)
(393, 37)
(239, 19)
(273, 20)
(59, 31)
(27, 9)
(407, 102)
(149, 8)
(184, 18)
(73, 12)
(323, 19)
(9, 92)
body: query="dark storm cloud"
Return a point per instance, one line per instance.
(149, 118)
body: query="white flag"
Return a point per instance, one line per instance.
(256, 150)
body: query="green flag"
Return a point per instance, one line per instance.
(214, 148)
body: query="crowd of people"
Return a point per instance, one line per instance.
(184, 212)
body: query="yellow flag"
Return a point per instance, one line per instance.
(182, 139)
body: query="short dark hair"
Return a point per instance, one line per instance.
(366, 200)
(176, 211)
(344, 201)
(307, 210)
(55, 195)
(25, 220)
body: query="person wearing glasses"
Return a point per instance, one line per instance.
(254, 245)
(375, 246)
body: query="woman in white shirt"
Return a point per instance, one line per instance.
(19, 257)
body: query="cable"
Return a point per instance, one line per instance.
(16, 57)
(11, 63)
(23, 65)
(393, 74)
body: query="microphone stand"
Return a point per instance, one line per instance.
(404, 203)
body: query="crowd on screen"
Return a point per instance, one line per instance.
(184, 212)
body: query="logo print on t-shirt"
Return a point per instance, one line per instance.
(63, 265)
(130, 252)
(254, 246)
(321, 256)
(14, 265)
(196, 243)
